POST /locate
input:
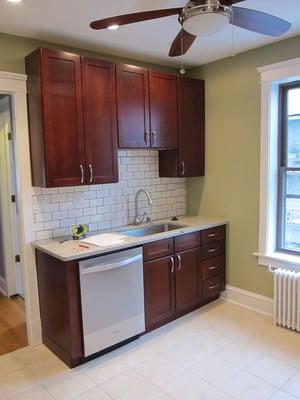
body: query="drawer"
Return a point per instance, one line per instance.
(213, 234)
(213, 267)
(158, 249)
(212, 287)
(188, 241)
(213, 249)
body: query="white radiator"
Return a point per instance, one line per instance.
(287, 299)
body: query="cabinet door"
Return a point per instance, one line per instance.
(188, 271)
(159, 287)
(191, 151)
(100, 121)
(133, 106)
(163, 110)
(63, 126)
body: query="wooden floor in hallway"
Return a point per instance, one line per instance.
(13, 334)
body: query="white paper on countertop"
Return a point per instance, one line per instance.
(104, 239)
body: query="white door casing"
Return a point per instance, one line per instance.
(15, 85)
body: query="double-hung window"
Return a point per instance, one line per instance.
(279, 221)
(288, 205)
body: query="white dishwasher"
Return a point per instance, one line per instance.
(112, 299)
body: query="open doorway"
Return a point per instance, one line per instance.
(12, 300)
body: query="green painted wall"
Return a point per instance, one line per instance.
(230, 188)
(13, 49)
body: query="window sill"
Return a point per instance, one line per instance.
(279, 260)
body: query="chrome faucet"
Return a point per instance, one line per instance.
(139, 219)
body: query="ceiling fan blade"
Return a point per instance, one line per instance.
(182, 43)
(259, 22)
(230, 2)
(136, 17)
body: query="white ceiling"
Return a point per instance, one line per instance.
(67, 22)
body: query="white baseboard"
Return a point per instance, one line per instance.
(34, 332)
(3, 287)
(253, 301)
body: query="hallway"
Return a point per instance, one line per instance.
(12, 324)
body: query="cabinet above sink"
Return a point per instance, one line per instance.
(81, 109)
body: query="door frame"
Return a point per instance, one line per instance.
(9, 233)
(15, 85)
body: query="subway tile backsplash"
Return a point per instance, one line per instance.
(110, 205)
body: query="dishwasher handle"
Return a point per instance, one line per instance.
(107, 267)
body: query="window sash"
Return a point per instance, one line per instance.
(283, 168)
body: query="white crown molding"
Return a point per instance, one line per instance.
(12, 75)
(250, 300)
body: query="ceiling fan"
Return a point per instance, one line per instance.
(202, 18)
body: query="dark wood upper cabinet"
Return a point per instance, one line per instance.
(81, 109)
(163, 110)
(100, 121)
(71, 144)
(189, 159)
(55, 118)
(188, 279)
(133, 106)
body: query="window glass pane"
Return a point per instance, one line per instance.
(291, 212)
(294, 101)
(293, 128)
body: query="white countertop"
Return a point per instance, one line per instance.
(76, 249)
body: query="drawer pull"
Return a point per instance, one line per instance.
(211, 235)
(213, 267)
(212, 250)
(214, 287)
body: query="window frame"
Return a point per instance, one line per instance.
(283, 167)
(271, 77)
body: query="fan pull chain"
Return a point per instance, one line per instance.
(182, 71)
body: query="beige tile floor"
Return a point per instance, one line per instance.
(221, 352)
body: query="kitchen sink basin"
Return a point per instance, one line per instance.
(151, 230)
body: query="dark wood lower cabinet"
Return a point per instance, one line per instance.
(175, 283)
(198, 262)
(60, 308)
(188, 273)
(159, 287)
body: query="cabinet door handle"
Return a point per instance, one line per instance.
(212, 250)
(183, 168)
(154, 138)
(213, 267)
(214, 287)
(91, 173)
(82, 173)
(179, 262)
(172, 265)
(211, 235)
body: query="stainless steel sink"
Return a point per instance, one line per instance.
(151, 230)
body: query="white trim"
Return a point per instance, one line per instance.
(271, 77)
(250, 300)
(3, 288)
(15, 84)
(279, 260)
(13, 76)
(284, 65)
(7, 210)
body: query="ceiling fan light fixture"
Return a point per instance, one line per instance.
(205, 20)
(113, 27)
